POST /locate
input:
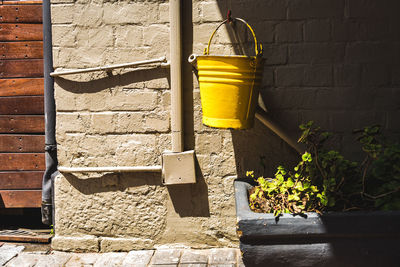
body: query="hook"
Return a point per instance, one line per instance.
(229, 16)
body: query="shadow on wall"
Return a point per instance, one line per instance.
(189, 200)
(98, 82)
(336, 62)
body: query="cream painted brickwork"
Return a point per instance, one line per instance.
(333, 61)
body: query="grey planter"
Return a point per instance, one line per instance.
(332, 239)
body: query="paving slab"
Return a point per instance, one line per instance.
(192, 265)
(194, 257)
(7, 252)
(82, 259)
(138, 258)
(25, 259)
(110, 259)
(166, 257)
(55, 259)
(222, 256)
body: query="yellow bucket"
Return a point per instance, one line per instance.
(229, 86)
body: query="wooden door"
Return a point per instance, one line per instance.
(22, 159)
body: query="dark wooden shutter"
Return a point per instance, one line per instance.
(21, 104)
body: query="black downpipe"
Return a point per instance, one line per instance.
(50, 119)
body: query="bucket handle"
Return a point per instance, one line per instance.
(258, 52)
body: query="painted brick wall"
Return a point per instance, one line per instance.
(336, 62)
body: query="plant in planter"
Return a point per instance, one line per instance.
(325, 180)
(319, 188)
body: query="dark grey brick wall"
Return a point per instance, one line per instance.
(336, 62)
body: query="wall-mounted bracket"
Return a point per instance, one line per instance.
(178, 168)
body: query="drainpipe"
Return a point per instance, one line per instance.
(50, 120)
(176, 75)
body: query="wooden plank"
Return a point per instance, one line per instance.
(21, 180)
(21, 13)
(21, 50)
(13, 2)
(22, 161)
(22, 124)
(27, 239)
(21, 87)
(21, 143)
(21, 32)
(20, 198)
(22, 105)
(21, 68)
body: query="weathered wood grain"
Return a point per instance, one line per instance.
(21, 13)
(21, 180)
(22, 105)
(21, 50)
(21, 32)
(22, 161)
(21, 68)
(20, 198)
(21, 87)
(22, 124)
(21, 143)
(13, 2)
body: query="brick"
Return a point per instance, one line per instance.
(211, 12)
(157, 123)
(290, 98)
(121, 13)
(95, 37)
(64, 35)
(260, 10)
(287, 32)
(375, 75)
(61, 14)
(395, 74)
(275, 54)
(336, 99)
(202, 32)
(72, 122)
(268, 76)
(86, 243)
(347, 75)
(289, 76)
(372, 9)
(306, 9)
(129, 122)
(88, 15)
(132, 100)
(128, 36)
(317, 31)
(163, 15)
(348, 30)
(366, 52)
(103, 122)
(318, 75)
(157, 36)
(316, 53)
(264, 31)
(208, 143)
(393, 122)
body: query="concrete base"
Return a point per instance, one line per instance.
(332, 239)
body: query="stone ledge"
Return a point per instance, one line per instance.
(72, 243)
